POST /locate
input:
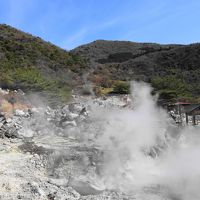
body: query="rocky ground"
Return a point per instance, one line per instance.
(44, 157)
(50, 154)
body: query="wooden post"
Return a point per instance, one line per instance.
(186, 118)
(180, 114)
(193, 119)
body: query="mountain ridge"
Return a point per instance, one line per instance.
(30, 63)
(147, 62)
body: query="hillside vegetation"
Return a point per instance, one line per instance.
(32, 64)
(173, 70)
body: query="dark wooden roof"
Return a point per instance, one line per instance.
(190, 108)
(182, 103)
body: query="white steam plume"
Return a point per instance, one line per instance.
(128, 139)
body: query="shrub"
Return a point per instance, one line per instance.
(102, 81)
(121, 87)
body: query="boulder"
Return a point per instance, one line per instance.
(69, 123)
(21, 113)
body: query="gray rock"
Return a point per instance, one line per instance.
(21, 113)
(75, 108)
(69, 123)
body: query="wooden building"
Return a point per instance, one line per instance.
(192, 110)
(186, 109)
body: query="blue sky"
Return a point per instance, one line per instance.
(69, 23)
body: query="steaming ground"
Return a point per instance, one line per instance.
(118, 148)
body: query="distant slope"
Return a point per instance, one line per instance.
(30, 63)
(161, 65)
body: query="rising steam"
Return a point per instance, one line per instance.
(143, 149)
